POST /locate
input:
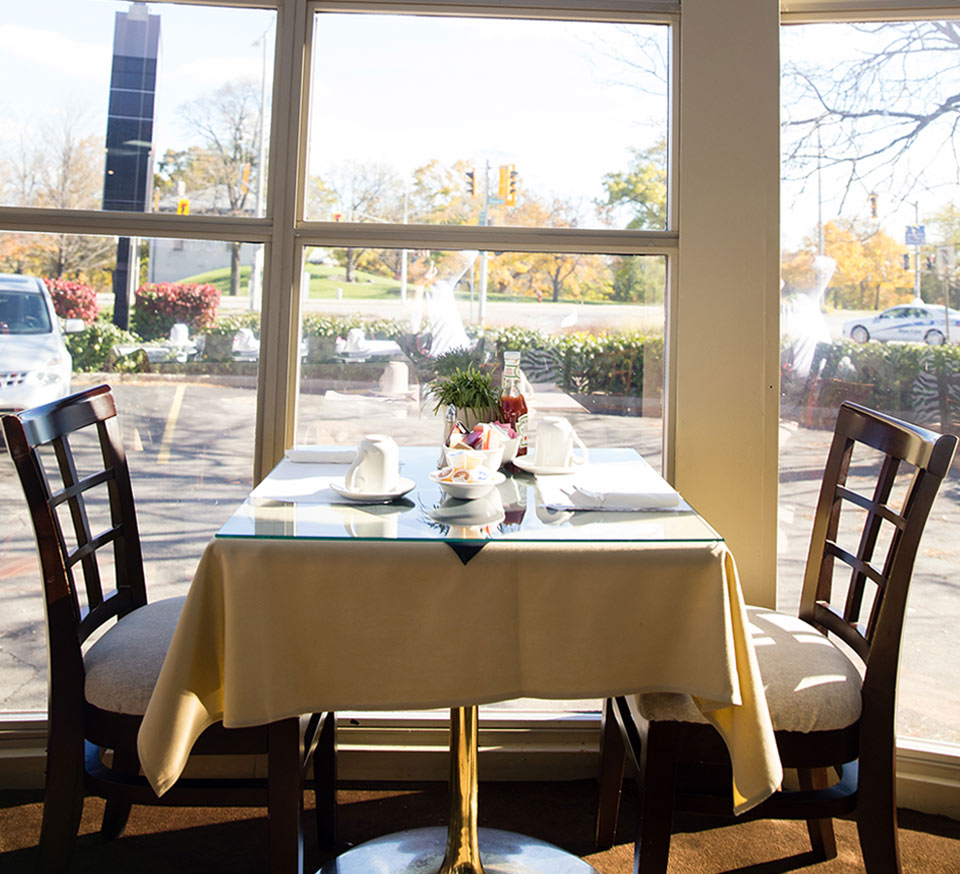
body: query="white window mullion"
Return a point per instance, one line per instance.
(280, 315)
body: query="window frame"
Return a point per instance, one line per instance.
(691, 445)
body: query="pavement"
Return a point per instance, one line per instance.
(191, 472)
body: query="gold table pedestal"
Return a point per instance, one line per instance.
(457, 849)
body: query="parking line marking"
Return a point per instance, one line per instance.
(163, 456)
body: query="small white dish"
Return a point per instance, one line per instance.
(469, 491)
(492, 458)
(510, 447)
(403, 486)
(526, 463)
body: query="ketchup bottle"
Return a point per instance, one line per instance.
(513, 408)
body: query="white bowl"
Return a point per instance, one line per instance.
(510, 447)
(469, 491)
(492, 458)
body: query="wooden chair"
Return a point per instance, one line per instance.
(97, 693)
(834, 728)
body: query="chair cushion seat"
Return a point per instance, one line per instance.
(123, 665)
(810, 684)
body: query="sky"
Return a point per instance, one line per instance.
(59, 54)
(544, 96)
(399, 89)
(824, 45)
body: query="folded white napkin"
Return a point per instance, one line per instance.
(322, 454)
(298, 483)
(618, 486)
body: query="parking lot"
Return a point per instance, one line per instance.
(191, 443)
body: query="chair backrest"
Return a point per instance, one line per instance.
(73, 481)
(903, 476)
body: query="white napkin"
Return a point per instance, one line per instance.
(322, 454)
(618, 486)
(300, 483)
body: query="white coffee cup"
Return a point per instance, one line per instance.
(376, 467)
(556, 440)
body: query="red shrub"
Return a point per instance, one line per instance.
(159, 306)
(73, 300)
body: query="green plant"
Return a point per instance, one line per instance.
(323, 325)
(92, 348)
(468, 389)
(225, 326)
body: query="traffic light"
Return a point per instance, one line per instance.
(472, 183)
(183, 206)
(502, 181)
(511, 197)
(872, 199)
(906, 260)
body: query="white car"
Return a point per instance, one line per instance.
(35, 366)
(913, 322)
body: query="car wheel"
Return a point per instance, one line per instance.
(860, 334)
(934, 338)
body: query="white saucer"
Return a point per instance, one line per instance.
(403, 486)
(527, 464)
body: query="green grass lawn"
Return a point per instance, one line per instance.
(324, 282)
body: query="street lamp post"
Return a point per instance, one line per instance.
(256, 271)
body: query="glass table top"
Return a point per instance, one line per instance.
(512, 511)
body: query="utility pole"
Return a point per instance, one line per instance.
(256, 271)
(484, 217)
(916, 236)
(403, 256)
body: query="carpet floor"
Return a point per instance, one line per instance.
(188, 840)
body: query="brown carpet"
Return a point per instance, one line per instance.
(185, 841)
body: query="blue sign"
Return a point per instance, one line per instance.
(916, 235)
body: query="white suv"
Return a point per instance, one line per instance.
(35, 366)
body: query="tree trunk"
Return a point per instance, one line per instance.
(235, 268)
(351, 260)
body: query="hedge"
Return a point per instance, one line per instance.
(73, 300)
(92, 348)
(913, 381)
(159, 306)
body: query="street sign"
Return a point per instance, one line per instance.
(916, 235)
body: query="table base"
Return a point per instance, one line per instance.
(421, 851)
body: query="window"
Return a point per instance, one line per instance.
(869, 207)
(176, 135)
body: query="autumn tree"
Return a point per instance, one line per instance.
(61, 168)
(438, 195)
(640, 190)
(360, 191)
(869, 274)
(223, 169)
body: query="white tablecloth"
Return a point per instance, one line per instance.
(275, 628)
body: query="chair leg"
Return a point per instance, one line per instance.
(613, 754)
(62, 800)
(116, 813)
(658, 774)
(877, 820)
(822, 837)
(325, 783)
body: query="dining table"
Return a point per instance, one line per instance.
(308, 601)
